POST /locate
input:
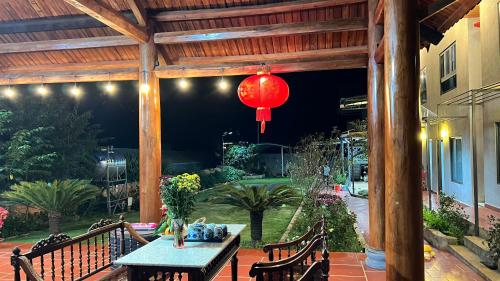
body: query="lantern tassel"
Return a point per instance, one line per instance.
(262, 126)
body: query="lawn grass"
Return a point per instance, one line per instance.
(266, 181)
(274, 224)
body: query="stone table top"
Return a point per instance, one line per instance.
(161, 253)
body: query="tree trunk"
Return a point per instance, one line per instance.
(54, 222)
(256, 225)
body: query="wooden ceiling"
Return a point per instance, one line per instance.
(91, 40)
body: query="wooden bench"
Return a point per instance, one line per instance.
(78, 258)
(304, 265)
(294, 246)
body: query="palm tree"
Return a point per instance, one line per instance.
(55, 198)
(257, 199)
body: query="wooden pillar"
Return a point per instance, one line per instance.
(149, 135)
(403, 200)
(376, 177)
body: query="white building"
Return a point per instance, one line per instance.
(464, 64)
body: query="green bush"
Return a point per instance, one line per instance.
(493, 238)
(342, 236)
(212, 177)
(450, 218)
(17, 224)
(230, 174)
(340, 178)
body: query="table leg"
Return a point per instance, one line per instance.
(234, 267)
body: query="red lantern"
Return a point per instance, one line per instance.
(263, 92)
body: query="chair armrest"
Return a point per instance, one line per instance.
(27, 267)
(133, 233)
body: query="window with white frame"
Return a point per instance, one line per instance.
(448, 68)
(456, 160)
(423, 85)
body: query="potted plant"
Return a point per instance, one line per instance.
(3, 217)
(178, 195)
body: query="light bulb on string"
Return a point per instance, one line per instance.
(42, 89)
(144, 87)
(109, 87)
(183, 83)
(9, 92)
(75, 91)
(223, 85)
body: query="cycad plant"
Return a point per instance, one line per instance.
(56, 198)
(257, 199)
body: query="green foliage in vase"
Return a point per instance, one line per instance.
(256, 200)
(56, 198)
(178, 194)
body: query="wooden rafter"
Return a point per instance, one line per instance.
(64, 67)
(70, 76)
(111, 18)
(462, 10)
(280, 57)
(338, 25)
(66, 44)
(176, 71)
(379, 12)
(139, 11)
(252, 10)
(435, 8)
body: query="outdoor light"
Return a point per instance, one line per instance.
(42, 90)
(183, 84)
(144, 87)
(75, 91)
(444, 133)
(223, 84)
(109, 88)
(9, 92)
(423, 135)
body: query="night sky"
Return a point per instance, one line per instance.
(195, 120)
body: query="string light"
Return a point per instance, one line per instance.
(223, 84)
(144, 87)
(42, 90)
(9, 92)
(109, 87)
(183, 83)
(444, 133)
(75, 91)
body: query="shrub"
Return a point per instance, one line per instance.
(17, 224)
(339, 178)
(339, 222)
(493, 238)
(230, 174)
(239, 155)
(450, 218)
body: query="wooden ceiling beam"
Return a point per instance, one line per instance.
(273, 58)
(457, 14)
(379, 13)
(252, 10)
(140, 13)
(111, 18)
(54, 24)
(176, 71)
(40, 69)
(70, 76)
(66, 44)
(435, 8)
(338, 25)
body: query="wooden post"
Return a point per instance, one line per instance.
(376, 177)
(149, 134)
(403, 200)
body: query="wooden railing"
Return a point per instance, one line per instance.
(76, 258)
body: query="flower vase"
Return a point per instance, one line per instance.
(178, 233)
